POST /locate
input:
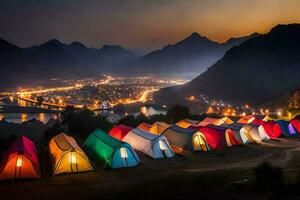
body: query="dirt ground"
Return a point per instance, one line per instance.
(206, 174)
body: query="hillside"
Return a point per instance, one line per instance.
(257, 71)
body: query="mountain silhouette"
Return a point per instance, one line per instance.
(52, 59)
(193, 54)
(257, 71)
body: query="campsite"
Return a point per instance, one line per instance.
(149, 99)
(167, 161)
(180, 177)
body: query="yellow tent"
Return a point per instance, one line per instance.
(159, 127)
(223, 120)
(67, 156)
(186, 123)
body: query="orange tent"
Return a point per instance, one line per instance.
(186, 123)
(159, 127)
(67, 156)
(144, 126)
(223, 120)
(20, 161)
(246, 119)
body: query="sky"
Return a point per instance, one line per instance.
(139, 24)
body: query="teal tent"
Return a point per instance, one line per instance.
(114, 153)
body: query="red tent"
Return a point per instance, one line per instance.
(232, 138)
(296, 124)
(214, 137)
(119, 131)
(20, 161)
(257, 121)
(272, 129)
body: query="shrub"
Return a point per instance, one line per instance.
(268, 178)
(177, 113)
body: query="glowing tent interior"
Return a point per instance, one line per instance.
(155, 146)
(111, 152)
(119, 131)
(67, 156)
(20, 161)
(185, 139)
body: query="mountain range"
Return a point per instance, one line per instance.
(259, 70)
(39, 63)
(193, 54)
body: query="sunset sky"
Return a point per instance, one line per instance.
(143, 24)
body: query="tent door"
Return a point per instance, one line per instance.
(18, 166)
(124, 156)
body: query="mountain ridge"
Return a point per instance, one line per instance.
(252, 72)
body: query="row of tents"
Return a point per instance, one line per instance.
(117, 149)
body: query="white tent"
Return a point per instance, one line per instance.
(155, 146)
(263, 134)
(253, 133)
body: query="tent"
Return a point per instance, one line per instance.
(20, 161)
(272, 129)
(67, 156)
(228, 134)
(214, 137)
(258, 121)
(119, 131)
(155, 146)
(223, 120)
(292, 130)
(110, 151)
(284, 126)
(208, 121)
(159, 127)
(234, 129)
(246, 119)
(186, 139)
(186, 123)
(252, 133)
(144, 126)
(296, 125)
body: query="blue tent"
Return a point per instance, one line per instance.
(284, 126)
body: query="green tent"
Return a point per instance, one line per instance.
(114, 153)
